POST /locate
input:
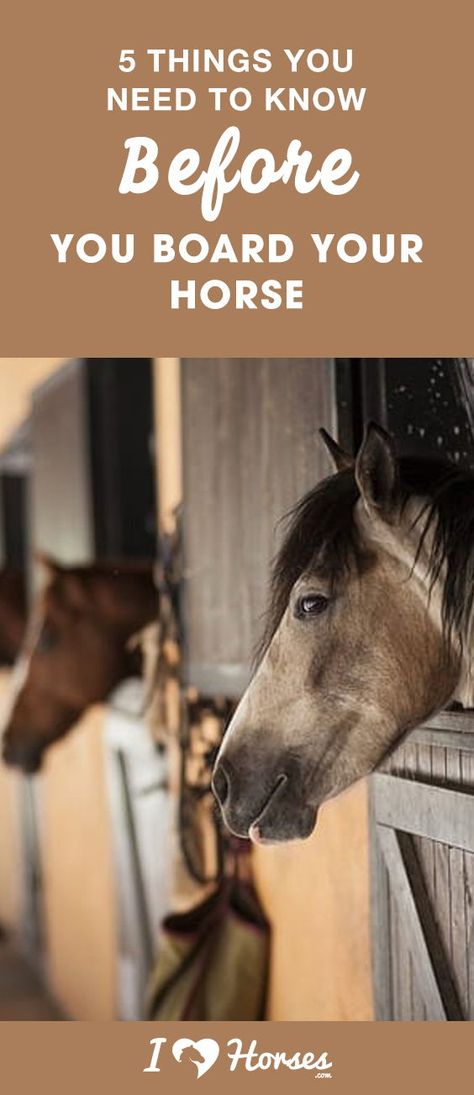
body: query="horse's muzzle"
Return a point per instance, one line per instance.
(26, 756)
(267, 808)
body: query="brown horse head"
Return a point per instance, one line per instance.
(367, 636)
(75, 651)
(12, 613)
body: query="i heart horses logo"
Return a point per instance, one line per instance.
(203, 1053)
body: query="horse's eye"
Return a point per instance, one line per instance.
(310, 604)
(47, 640)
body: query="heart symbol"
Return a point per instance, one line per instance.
(207, 1049)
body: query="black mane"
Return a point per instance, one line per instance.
(322, 531)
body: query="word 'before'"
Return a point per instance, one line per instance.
(226, 170)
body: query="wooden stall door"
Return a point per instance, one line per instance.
(250, 450)
(422, 806)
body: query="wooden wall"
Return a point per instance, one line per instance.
(316, 894)
(78, 883)
(250, 450)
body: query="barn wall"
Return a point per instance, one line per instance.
(317, 896)
(316, 893)
(76, 859)
(249, 452)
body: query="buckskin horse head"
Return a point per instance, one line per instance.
(75, 651)
(368, 635)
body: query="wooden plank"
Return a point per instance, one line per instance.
(430, 968)
(424, 765)
(443, 739)
(441, 899)
(459, 922)
(410, 759)
(469, 898)
(408, 916)
(461, 721)
(381, 927)
(457, 892)
(417, 1005)
(250, 450)
(438, 813)
(394, 953)
(446, 730)
(438, 947)
(404, 963)
(425, 850)
(467, 768)
(402, 761)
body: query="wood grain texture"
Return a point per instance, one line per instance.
(250, 451)
(423, 803)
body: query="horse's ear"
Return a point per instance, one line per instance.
(76, 591)
(376, 471)
(71, 587)
(341, 459)
(50, 566)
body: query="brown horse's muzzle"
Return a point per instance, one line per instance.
(20, 754)
(264, 802)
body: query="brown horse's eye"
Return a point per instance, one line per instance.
(310, 604)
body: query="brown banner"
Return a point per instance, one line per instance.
(365, 1057)
(409, 142)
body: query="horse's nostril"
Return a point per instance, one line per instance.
(27, 758)
(220, 784)
(6, 750)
